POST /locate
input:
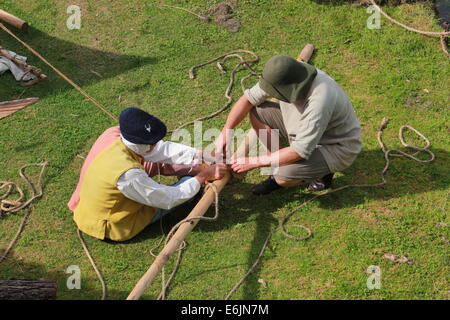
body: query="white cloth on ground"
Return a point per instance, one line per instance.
(18, 73)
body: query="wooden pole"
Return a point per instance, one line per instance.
(13, 20)
(306, 53)
(176, 240)
(198, 211)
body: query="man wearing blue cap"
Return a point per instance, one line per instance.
(116, 198)
(314, 117)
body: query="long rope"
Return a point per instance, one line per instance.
(242, 63)
(443, 34)
(8, 207)
(91, 260)
(62, 75)
(11, 206)
(201, 17)
(387, 153)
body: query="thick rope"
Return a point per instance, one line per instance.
(17, 235)
(8, 207)
(243, 63)
(91, 260)
(443, 34)
(387, 153)
(62, 75)
(11, 206)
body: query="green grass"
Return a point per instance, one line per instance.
(142, 52)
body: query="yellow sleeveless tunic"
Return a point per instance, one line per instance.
(103, 211)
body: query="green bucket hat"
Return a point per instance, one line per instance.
(287, 79)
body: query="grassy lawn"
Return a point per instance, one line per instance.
(137, 53)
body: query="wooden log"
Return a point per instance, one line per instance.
(13, 20)
(27, 289)
(177, 238)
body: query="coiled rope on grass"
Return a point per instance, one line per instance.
(245, 63)
(386, 152)
(12, 206)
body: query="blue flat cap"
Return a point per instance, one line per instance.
(140, 127)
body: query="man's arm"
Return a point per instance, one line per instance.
(235, 117)
(281, 157)
(136, 185)
(171, 153)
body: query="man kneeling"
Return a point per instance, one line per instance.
(115, 197)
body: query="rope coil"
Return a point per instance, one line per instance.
(386, 153)
(8, 206)
(443, 35)
(242, 63)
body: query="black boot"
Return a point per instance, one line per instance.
(321, 183)
(266, 187)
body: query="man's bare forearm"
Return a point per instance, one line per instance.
(281, 157)
(241, 108)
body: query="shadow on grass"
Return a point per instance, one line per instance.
(84, 65)
(238, 205)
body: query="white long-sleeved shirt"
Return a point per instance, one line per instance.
(135, 184)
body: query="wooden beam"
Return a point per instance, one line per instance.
(306, 53)
(176, 240)
(13, 20)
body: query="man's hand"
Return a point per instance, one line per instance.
(244, 164)
(213, 172)
(205, 156)
(221, 145)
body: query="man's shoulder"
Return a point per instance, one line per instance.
(324, 85)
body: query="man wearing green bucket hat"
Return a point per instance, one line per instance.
(314, 116)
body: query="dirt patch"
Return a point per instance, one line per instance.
(416, 99)
(223, 15)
